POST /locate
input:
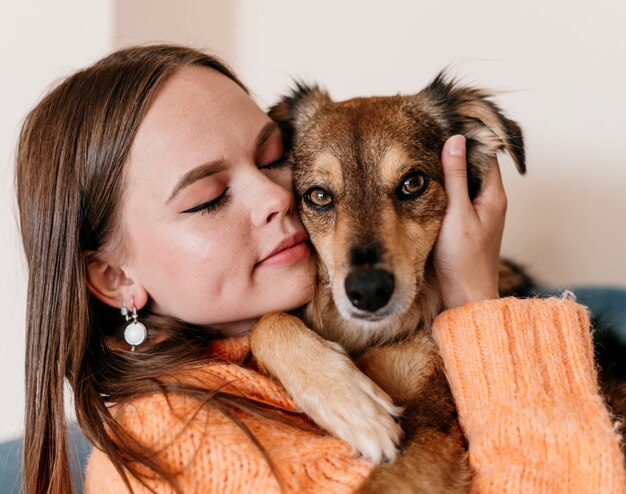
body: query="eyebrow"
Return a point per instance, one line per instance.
(213, 167)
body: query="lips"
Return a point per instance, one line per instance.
(289, 251)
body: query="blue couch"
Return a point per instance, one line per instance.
(10, 461)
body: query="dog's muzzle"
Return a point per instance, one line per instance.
(369, 289)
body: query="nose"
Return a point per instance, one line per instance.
(369, 289)
(367, 253)
(270, 200)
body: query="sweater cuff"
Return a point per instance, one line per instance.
(503, 349)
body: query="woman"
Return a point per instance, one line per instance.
(151, 183)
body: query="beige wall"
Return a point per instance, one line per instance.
(207, 24)
(563, 63)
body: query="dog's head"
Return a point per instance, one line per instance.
(369, 183)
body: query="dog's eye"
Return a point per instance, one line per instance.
(318, 198)
(412, 185)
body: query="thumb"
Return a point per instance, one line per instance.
(455, 171)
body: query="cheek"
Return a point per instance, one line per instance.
(282, 177)
(189, 260)
(323, 232)
(418, 240)
(210, 254)
(415, 230)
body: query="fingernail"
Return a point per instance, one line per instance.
(456, 145)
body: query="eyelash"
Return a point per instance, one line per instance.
(224, 197)
(212, 205)
(279, 163)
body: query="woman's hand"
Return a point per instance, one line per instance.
(467, 252)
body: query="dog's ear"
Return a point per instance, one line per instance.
(295, 110)
(469, 111)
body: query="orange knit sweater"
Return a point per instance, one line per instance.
(521, 372)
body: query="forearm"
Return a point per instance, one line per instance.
(523, 377)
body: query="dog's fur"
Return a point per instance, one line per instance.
(369, 187)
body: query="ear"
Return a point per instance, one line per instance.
(469, 111)
(111, 286)
(295, 110)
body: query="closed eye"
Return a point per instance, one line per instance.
(212, 205)
(282, 162)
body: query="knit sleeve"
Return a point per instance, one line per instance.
(238, 452)
(206, 451)
(523, 377)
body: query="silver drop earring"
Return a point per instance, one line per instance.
(135, 332)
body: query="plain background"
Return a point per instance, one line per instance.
(560, 65)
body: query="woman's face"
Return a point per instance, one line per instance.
(208, 213)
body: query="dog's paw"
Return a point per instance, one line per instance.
(326, 384)
(348, 404)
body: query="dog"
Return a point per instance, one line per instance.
(359, 359)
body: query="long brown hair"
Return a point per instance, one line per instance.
(70, 176)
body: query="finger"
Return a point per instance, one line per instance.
(491, 204)
(455, 171)
(492, 197)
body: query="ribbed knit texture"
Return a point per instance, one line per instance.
(523, 377)
(522, 374)
(214, 455)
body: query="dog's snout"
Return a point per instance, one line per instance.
(365, 254)
(369, 289)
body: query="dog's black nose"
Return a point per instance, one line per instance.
(367, 253)
(369, 289)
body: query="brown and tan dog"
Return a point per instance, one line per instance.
(369, 187)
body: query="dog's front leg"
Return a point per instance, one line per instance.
(434, 454)
(326, 385)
